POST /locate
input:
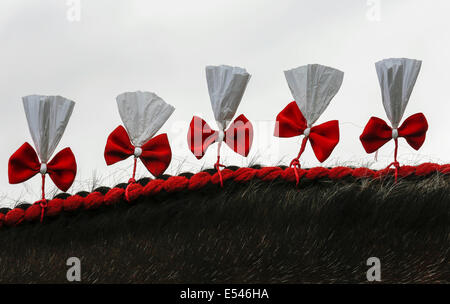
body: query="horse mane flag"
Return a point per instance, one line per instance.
(47, 118)
(397, 77)
(312, 86)
(143, 114)
(226, 86)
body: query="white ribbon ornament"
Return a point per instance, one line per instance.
(226, 86)
(143, 114)
(397, 77)
(313, 86)
(47, 118)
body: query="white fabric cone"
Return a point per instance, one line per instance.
(143, 114)
(313, 86)
(226, 86)
(397, 77)
(47, 118)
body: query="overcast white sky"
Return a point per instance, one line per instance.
(163, 46)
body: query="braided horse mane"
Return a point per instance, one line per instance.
(258, 228)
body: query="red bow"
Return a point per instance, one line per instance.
(155, 153)
(323, 138)
(377, 133)
(24, 164)
(238, 137)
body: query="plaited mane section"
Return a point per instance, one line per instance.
(105, 196)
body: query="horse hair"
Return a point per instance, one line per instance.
(322, 231)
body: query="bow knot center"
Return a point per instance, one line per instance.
(43, 168)
(221, 136)
(307, 132)
(394, 133)
(137, 151)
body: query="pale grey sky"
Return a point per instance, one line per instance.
(164, 46)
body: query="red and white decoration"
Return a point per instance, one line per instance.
(312, 86)
(397, 77)
(143, 114)
(47, 118)
(226, 86)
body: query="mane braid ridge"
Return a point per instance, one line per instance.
(104, 196)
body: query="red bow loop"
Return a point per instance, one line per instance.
(200, 136)
(118, 146)
(156, 153)
(290, 122)
(24, 164)
(239, 136)
(377, 132)
(414, 130)
(324, 138)
(63, 169)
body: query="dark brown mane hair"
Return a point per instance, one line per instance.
(258, 231)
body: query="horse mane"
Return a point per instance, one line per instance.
(258, 228)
